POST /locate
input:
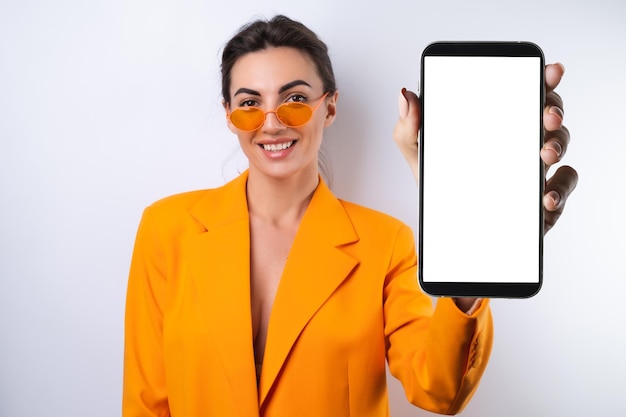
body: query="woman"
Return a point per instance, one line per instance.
(271, 297)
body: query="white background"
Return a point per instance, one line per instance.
(108, 105)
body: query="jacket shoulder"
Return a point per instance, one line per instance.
(171, 215)
(206, 198)
(358, 212)
(179, 202)
(378, 230)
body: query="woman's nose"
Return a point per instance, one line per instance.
(271, 123)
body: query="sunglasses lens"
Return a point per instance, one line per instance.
(294, 114)
(247, 118)
(290, 114)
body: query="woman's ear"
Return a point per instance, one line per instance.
(228, 122)
(331, 109)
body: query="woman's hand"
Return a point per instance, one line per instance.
(556, 138)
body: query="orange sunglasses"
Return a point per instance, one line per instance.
(291, 114)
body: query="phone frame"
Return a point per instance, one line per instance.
(481, 289)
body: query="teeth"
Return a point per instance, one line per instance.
(277, 146)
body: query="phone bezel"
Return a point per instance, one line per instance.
(481, 289)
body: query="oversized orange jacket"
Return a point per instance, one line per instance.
(347, 301)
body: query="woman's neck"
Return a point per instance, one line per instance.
(281, 201)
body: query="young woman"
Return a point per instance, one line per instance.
(271, 297)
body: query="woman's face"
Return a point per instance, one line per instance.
(266, 79)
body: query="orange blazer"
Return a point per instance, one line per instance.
(348, 300)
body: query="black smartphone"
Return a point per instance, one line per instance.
(481, 177)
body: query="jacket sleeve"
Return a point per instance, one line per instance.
(144, 390)
(439, 356)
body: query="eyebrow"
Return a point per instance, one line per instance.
(293, 84)
(281, 90)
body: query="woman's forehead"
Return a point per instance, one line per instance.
(268, 70)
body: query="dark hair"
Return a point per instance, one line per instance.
(279, 31)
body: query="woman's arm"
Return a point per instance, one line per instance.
(144, 391)
(439, 356)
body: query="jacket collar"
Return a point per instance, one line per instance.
(219, 262)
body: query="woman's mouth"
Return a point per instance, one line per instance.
(276, 147)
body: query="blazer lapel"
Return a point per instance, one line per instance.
(219, 262)
(315, 268)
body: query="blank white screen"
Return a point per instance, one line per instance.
(482, 173)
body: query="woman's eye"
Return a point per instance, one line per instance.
(248, 103)
(297, 98)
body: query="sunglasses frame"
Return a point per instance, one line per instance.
(275, 111)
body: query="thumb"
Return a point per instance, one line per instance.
(403, 104)
(406, 130)
(409, 107)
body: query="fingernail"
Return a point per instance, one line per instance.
(403, 104)
(555, 197)
(557, 112)
(560, 65)
(557, 148)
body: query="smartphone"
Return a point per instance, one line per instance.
(481, 177)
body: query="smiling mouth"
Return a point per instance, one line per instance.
(277, 147)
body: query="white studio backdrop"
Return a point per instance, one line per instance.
(106, 106)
